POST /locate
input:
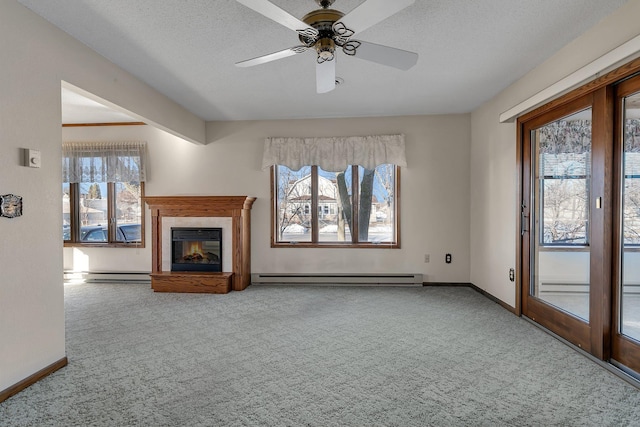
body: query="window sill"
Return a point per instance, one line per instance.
(564, 248)
(334, 245)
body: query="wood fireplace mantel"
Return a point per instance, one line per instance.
(238, 208)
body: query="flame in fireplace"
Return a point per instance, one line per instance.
(195, 248)
(195, 253)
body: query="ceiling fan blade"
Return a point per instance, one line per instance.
(386, 55)
(371, 12)
(326, 76)
(271, 57)
(282, 17)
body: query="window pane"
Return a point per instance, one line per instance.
(93, 212)
(334, 205)
(293, 204)
(66, 211)
(631, 190)
(128, 211)
(561, 214)
(565, 161)
(377, 199)
(629, 296)
(565, 211)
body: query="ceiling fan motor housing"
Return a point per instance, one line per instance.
(322, 20)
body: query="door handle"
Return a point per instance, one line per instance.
(524, 223)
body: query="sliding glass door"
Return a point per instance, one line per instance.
(556, 220)
(626, 324)
(580, 219)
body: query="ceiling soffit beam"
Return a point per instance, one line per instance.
(607, 62)
(116, 107)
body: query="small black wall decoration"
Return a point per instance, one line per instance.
(10, 206)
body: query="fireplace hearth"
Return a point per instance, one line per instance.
(196, 249)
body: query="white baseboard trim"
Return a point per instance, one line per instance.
(347, 279)
(106, 276)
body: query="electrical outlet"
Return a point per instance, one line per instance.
(447, 258)
(427, 258)
(512, 275)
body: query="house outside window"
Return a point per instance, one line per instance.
(335, 191)
(372, 212)
(103, 187)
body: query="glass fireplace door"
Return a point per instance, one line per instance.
(196, 249)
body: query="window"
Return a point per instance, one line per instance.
(564, 150)
(354, 208)
(102, 191)
(348, 197)
(631, 178)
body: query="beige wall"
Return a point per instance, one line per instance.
(493, 151)
(36, 57)
(434, 194)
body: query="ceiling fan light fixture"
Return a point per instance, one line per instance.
(325, 48)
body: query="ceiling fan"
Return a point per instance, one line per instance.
(326, 29)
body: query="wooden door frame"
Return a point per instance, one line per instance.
(600, 302)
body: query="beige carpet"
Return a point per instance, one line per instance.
(314, 356)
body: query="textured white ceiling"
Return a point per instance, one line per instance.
(469, 51)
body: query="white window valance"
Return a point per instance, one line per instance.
(103, 161)
(336, 153)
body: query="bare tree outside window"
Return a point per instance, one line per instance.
(631, 207)
(565, 163)
(564, 148)
(333, 197)
(293, 194)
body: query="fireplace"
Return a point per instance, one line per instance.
(236, 275)
(196, 249)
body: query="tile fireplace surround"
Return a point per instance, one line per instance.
(232, 213)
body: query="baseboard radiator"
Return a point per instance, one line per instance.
(344, 279)
(106, 277)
